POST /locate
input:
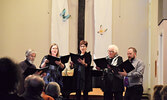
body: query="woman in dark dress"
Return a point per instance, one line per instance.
(54, 72)
(82, 72)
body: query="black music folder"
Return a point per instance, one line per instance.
(75, 57)
(127, 66)
(101, 62)
(64, 59)
(52, 59)
(30, 71)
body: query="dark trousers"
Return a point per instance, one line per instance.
(113, 95)
(134, 92)
(78, 95)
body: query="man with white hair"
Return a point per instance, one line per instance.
(27, 63)
(113, 87)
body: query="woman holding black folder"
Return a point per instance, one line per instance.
(55, 68)
(82, 72)
(113, 85)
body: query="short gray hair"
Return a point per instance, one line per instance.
(53, 89)
(114, 47)
(28, 52)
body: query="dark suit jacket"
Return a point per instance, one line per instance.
(113, 82)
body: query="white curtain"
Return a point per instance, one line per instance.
(89, 24)
(73, 21)
(64, 33)
(97, 13)
(60, 28)
(103, 18)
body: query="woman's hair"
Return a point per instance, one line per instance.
(54, 44)
(10, 75)
(83, 42)
(53, 89)
(157, 89)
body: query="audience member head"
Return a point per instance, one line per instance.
(112, 51)
(34, 84)
(163, 92)
(132, 52)
(30, 55)
(83, 46)
(53, 89)
(54, 50)
(9, 76)
(157, 89)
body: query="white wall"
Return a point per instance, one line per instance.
(163, 30)
(24, 24)
(130, 28)
(165, 53)
(154, 41)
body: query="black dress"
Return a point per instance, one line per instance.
(53, 74)
(82, 75)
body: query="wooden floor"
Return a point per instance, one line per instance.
(96, 94)
(96, 91)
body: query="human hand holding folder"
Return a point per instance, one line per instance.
(101, 63)
(82, 62)
(124, 73)
(52, 60)
(125, 66)
(57, 61)
(98, 68)
(76, 58)
(30, 71)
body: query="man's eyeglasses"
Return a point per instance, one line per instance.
(110, 51)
